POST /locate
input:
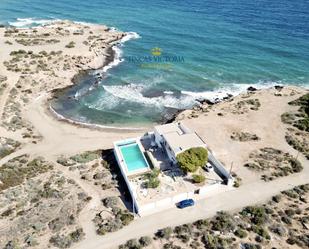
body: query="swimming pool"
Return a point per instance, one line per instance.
(133, 157)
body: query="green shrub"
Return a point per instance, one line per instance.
(278, 229)
(198, 178)
(85, 157)
(251, 246)
(290, 193)
(110, 202)
(257, 214)
(287, 220)
(145, 241)
(296, 165)
(70, 45)
(66, 241)
(277, 198)
(191, 159)
(5, 151)
(165, 233)
(201, 224)
(133, 244)
(77, 235)
(241, 233)
(183, 229)
(236, 184)
(223, 222)
(261, 231)
(152, 180)
(64, 161)
(215, 242)
(152, 183)
(125, 217)
(303, 102)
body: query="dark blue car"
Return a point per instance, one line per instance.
(185, 203)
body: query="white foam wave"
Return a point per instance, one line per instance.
(29, 22)
(133, 93)
(118, 52)
(117, 60)
(223, 92)
(130, 36)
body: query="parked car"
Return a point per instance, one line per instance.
(208, 167)
(185, 203)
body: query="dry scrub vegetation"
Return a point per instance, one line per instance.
(104, 174)
(297, 134)
(283, 222)
(273, 163)
(38, 205)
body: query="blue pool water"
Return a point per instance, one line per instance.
(226, 46)
(133, 157)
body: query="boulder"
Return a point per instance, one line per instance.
(251, 89)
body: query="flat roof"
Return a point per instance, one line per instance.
(179, 143)
(167, 128)
(179, 137)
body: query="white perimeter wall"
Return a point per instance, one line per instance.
(116, 152)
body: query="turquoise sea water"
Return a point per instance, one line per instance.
(225, 46)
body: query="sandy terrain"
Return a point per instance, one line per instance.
(25, 118)
(265, 123)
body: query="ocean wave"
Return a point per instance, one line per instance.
(234, 89)
(130, 36)
(117, 60)
(30, 22)
(133, 93)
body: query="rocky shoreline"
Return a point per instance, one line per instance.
(53, 178)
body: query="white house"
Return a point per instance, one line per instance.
(134, 160)
(175, 138)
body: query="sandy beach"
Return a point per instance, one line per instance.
(35, 62)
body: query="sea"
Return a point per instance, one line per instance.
(176, 53)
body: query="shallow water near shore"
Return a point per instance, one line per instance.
(223, 47)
